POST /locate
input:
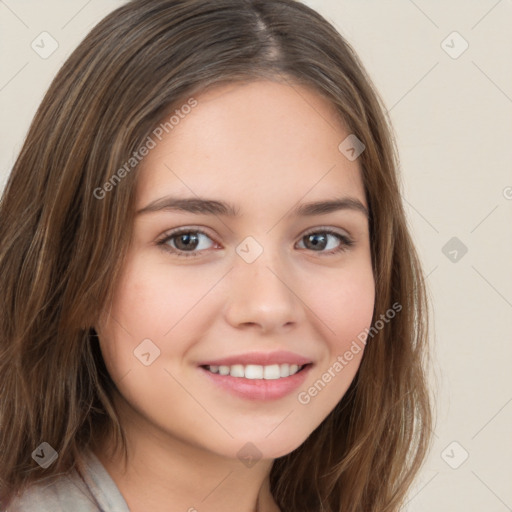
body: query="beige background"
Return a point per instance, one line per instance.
(453, 120)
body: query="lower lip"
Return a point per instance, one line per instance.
(258, 389)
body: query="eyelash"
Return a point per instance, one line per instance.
(345, 244)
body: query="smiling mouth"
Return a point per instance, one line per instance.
(256, 371)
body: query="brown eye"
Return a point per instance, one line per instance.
(316, 241)
(319, 241)
(186, 242)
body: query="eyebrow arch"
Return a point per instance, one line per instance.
(215, 207)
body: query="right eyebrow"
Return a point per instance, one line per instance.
(191, 205)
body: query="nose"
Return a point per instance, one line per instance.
(262, 297)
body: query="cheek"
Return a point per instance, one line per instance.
(344, 303)
(151, 302)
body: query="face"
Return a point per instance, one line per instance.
(238, 293)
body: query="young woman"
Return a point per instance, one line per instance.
(211, 300)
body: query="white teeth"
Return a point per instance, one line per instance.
(237, 370)
(256, 371)
(284, 370)
(224, 370)
(271, 372)
(253, 371)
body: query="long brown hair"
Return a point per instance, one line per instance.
(62, 245)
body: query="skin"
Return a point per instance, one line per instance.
(263, 146)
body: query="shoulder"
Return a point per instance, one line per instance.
(89, 490)
(62, 494)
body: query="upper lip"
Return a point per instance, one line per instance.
(259, 358)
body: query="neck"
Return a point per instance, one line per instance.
(162, 470)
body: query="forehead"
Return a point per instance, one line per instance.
(252, 141)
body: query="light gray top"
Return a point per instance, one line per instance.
(92, 491)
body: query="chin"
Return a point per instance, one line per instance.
(267, 446)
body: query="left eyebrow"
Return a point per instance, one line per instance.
(203, 206)
(323, 207)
